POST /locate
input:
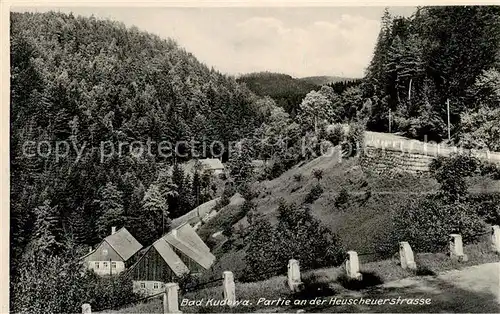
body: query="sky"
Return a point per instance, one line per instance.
(299, 41)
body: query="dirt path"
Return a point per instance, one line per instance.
(473, 289)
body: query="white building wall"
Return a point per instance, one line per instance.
(104, 268)
(146, 287)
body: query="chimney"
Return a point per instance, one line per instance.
(174, 232)
(113, 230)
(90, 249)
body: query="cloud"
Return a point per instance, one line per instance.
(341, 47)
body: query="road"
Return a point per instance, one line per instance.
(474, 289)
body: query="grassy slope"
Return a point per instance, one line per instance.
(366, 221)
(372, 199)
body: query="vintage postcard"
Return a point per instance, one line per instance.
(250, 157)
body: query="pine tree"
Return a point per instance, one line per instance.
(196, 187)
(240, 162)
(260, 255)
(47, 237)
(155, 204)
(301, 236)
(111, 208)
(154, 200)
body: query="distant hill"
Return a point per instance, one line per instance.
(322, 80)
(286, 90)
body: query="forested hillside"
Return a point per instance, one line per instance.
(285, 90)
(322, 80)
(92, 101)
(86, 81)
(438, 54)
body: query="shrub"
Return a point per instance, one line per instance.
(488, 206)
(355, 139)
(318, 174)
(273, 169)
(451, 173)
(342, 199)
(247, 192)
(261, 251)
(49, 284)
(314, 194)
(490, 169)
(298, 177)
(227, 193)
(369, 279)
(301, 236)
(336, 135)
(427, 224)
(112, 292)
(297, 235)
(224, 221)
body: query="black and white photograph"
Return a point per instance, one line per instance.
(225, 157)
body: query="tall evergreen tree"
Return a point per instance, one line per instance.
(111, 208)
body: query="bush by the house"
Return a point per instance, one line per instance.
(49, 284)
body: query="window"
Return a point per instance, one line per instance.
(97, 265)
(143, 285)
(113, 264)
(105, 251)
(105, 264)
(155, 285)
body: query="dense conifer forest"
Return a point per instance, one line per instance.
(87, 81)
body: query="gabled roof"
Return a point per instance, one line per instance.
(212, 163)
(196, 214)
(185, 243)
(123, 243)
(169, 256)
(187, 233)
(207, 164)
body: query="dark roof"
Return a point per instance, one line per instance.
(123, 243)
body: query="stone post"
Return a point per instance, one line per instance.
(352, 266)
(294, 281)
(406, 256)
(456, 248)
(495, 238)
(171, 298)
(229, 288)
(86, 308)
